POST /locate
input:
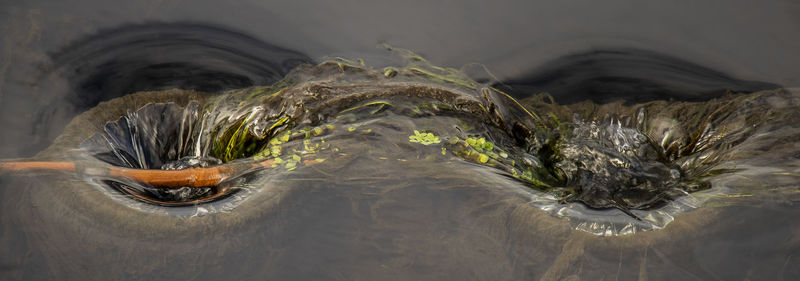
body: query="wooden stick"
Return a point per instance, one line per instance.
(192, 177)
(37, 165)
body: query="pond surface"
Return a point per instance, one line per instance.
(666, 147)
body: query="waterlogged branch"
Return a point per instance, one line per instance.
(192, 177)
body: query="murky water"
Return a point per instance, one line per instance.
(648, 159)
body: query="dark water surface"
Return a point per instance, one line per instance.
(390, 210)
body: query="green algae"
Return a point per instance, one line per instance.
(502, 132)
(423, 138)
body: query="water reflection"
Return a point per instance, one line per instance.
(352, 221)
(632, 75)
(128, 59)
(151, 57)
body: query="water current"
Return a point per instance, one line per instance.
(559, 155)
(610, 169)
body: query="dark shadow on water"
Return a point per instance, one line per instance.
(351, 221)
(632, 75)
(160, 56)
(122, 60)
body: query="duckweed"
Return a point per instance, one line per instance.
(423, 138)
(390, 72)
(480, 144)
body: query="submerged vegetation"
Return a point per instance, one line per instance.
(637, 159)
(423, 138)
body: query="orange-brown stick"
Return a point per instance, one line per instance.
(193, 177)
(37, 165)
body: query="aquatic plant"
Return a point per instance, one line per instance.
(631, 158)
(423, 138)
